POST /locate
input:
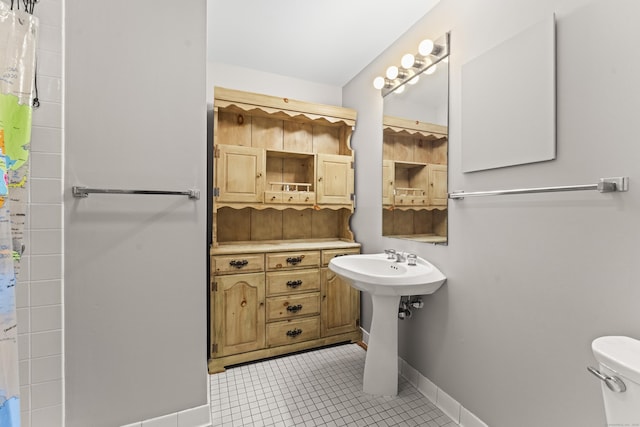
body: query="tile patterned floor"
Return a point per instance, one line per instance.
(315, 388)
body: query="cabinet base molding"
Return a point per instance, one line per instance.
(217, 365)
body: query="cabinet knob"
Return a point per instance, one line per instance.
(319, 179)
(259, 175)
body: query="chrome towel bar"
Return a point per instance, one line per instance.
(84, 192)
(605, 185)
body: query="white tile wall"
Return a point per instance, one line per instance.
(39, 293)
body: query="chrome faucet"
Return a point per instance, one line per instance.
(400, 256)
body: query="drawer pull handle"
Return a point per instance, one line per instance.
(294, 283)
(238, 263)
(294, 260)
(337, 255)
(294, 332)
(294, 308)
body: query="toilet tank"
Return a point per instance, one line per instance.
(619, 356)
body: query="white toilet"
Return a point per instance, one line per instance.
(619, 370)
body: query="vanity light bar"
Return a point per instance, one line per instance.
(429, 54)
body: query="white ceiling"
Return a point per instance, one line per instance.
(327, 41)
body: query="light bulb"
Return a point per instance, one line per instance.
(425, 47)
(414, 80)
(392, 72)
(407, 61)
(399, 90)
(378, 82)
(430, 70)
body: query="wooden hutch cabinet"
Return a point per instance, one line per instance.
(283, 197)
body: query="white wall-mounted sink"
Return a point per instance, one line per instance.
(386, 280)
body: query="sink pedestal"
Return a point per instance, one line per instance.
(381, 362)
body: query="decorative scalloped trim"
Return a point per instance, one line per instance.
(282, 114)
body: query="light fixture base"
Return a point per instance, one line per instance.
(421, 64)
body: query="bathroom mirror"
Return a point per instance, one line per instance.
(415, 153)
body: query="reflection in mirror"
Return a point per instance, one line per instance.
(415, 148)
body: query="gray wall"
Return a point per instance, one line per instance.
(135, 266)
(532, 279)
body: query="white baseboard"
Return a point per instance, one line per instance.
(454, 410)
(438, 397)
(365, 336)
(199, 416)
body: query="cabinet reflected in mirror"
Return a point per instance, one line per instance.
(415, 158)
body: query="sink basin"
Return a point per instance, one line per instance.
(377, 275)
(386, 281)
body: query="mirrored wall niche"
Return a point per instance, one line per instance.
(415, 149)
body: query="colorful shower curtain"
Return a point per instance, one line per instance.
(18, 35)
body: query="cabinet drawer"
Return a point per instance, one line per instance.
(288, 282)
(328, 254)
(299, 198)
(289, 306)
(293, 331)
(241, 263)
(280, 260)
(272, 197)
(288, 197)
(306, 198)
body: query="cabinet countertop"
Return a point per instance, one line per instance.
(281, 246)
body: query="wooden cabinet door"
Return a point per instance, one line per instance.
(239, 173)
(238, 313)
(335, 179)
(340, 305)
(388, 178)
(438, 185)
